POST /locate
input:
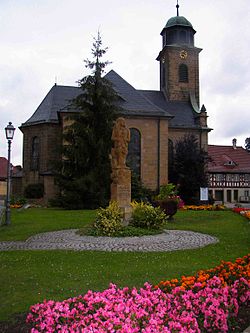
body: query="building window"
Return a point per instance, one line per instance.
(236, 195)
(183, 73)
(229, 196)
(219, 177)
(134, 152)
(219, 195)
(35, 148)
(163, 75)
(183, 36)
(170, 37)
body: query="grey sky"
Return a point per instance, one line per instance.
(45, 39)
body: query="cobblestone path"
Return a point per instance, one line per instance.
(170, 240)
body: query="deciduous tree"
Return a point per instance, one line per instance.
(190, 168)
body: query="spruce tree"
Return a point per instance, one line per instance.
(190, 167)
(247, 144)
(84, 179)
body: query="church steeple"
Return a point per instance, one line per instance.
(179, 60)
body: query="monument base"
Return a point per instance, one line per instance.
(121, 192)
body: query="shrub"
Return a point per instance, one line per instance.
(18, 201)
(34, 191)
(146, 216)
(138, 191)
(108, 220)
(167, 191)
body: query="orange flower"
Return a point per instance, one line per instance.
(227, 271)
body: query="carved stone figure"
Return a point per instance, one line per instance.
(121, 174)
(121, 138)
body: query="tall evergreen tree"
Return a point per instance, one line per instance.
(190, 167)
(247, 144)
(85, 177)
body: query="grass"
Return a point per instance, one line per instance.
(28, 277)
(26, 223)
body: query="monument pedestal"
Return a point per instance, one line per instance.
(121, 191)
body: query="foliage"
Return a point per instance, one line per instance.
(247, 144)
(84, 176)
(204, 207)
(63, 274)
(17, 202)
(124, 231)
(108, 220)
(146, 216)
(243, 211)
(167, 191)
(190, 162)
(138, 191)
(202, 309)
(228, 272)
(34, 191)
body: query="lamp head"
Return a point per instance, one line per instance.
(9, 131)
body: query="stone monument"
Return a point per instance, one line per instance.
(121, 174)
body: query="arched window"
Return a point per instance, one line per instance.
(183, 73)
(35, 152)
(134, 151)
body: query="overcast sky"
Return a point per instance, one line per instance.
(43, 41)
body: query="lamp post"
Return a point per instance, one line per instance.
(9, 132)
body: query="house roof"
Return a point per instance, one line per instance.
(134, 103)
(226, 159)
(3, 168)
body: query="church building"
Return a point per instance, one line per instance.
(156, 118)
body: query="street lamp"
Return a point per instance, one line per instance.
(9, 132)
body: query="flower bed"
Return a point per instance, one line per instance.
(15, 206)
(227, 272)
(203, 207)
(197, 307)
(243, 211)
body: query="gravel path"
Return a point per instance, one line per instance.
(170, 240)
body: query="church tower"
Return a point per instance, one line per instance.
(179, 61)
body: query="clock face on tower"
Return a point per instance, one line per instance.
(183, 54)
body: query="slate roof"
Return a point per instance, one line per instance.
(134, 103)
(182, 113)
(56, 100)
(226, 159)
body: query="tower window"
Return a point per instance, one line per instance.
(183, 73)
(35, 147)
(171, 37)
(134, 151)
(183, 36)
(163, 75)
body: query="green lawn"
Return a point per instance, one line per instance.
(28, 277)
(25, 223)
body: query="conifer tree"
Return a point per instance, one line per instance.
(85, 178)
(190, 168)
(247, 144)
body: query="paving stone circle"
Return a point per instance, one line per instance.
(169, 240)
